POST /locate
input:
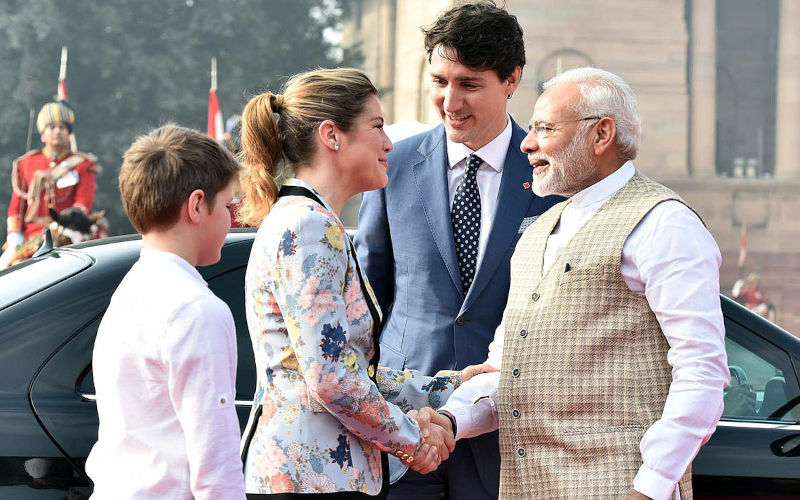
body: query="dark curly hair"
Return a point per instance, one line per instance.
(482, 35)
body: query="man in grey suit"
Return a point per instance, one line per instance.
(436, 241)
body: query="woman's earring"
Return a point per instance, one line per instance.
(336, 146)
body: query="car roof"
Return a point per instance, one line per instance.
(119, 252)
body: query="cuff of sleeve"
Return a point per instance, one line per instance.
(475, 419)
(13, 225)
(652, 484)
(404, 457)
(453, 421)
(462, 417)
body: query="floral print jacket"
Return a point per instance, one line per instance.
(323, 422)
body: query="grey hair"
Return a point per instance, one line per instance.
(606, 95)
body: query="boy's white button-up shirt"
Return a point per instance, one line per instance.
(165, 368)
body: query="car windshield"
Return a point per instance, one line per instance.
(29, 277)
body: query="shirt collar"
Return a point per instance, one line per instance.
(293, 181)
(59, 156)
(493, 153)
(606, 188)
(150, 254)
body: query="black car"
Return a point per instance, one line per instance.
(51, 306)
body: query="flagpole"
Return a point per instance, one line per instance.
(213, 74)
(30, 131)
(215, 127)
(61, 92)
(62, 71)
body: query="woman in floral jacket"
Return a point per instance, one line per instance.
(322, 414)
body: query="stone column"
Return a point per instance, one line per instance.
(787, 153)
(704, 60)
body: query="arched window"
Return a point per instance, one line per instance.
(558, 61)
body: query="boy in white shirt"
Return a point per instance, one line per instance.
(165, 356)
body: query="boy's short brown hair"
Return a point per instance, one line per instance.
(161, 169)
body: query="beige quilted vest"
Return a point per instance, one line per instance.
(585, 368)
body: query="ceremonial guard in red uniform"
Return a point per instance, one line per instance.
(750, 294)
(51, 178)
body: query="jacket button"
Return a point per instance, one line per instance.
(521, 452)
(515, 413)
(523, 333)
(460, 320)
(515, 372)
(535, 296)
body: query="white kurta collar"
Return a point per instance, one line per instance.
(606, 188)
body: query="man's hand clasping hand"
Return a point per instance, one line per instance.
(438, 441)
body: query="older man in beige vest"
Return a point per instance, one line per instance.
(612, 341)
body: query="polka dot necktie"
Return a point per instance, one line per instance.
(466, 218)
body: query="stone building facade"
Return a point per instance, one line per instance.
(720, 103)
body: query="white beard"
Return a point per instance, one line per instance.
(568, 170)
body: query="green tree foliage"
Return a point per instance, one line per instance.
(135, 64)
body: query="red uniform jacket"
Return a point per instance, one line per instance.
(74, 189)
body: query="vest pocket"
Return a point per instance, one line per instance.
(583, 274)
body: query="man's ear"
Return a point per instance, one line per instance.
(605, 136)
(196, 206)
(512, 82)
(330, 134)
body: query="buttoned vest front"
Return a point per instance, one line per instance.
(585, 369)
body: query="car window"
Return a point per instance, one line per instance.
(763, 383)
(23, 280)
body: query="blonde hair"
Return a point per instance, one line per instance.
(161, 169)
(278, 126)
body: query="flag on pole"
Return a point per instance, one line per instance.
(62, 95)
(743, 247)
(62, 77)
(215, 127)
(62, 90)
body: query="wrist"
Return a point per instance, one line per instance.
(15, 238)
(452, 419)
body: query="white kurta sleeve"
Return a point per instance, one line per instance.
(675, 261)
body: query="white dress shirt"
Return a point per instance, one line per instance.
(489, 175)
(164, 366)
(674, 261)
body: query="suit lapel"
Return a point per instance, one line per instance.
(430, 177)
(513, 202)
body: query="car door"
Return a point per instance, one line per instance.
(755, 451)
(63, 392)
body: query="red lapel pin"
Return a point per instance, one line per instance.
(526, 185)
